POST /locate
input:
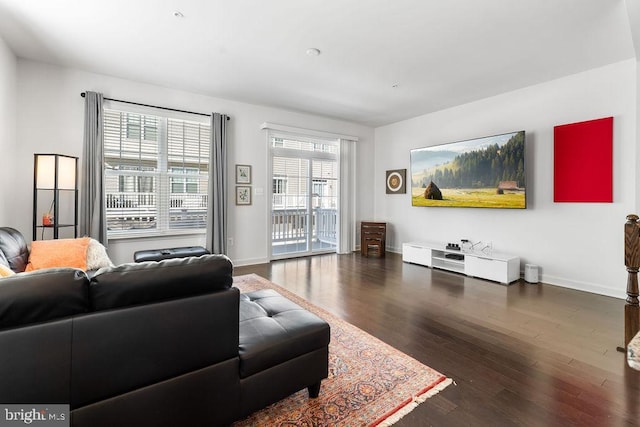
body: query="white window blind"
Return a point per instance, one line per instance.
(156, 174)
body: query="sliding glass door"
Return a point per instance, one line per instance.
(304, 196)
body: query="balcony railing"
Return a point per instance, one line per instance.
(129, 210)
(291, 225)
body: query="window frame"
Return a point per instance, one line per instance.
(163, 173)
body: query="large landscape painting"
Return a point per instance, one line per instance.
(486, 172)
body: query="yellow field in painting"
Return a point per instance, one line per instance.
(471, 197)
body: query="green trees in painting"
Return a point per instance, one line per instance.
(483, 168)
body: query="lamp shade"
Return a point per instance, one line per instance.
(67, 173)
(45, 170)
(50, 166)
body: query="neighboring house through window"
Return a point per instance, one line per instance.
(180, 181)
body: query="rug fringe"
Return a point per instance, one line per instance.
(413, 404)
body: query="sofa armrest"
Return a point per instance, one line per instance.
(13, 249)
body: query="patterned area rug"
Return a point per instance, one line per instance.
(370, 383)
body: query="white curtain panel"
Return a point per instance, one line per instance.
(347, 211)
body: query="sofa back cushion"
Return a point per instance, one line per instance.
(147, 282)
(41, 296)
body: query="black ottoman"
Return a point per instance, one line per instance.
(160, 254)
(283, 349)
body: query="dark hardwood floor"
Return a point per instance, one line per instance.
(520, 355)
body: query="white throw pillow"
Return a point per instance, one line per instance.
(97, 256)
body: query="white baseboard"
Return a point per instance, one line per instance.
(250, 261)
(594, 288)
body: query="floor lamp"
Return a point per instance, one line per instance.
(55, 181)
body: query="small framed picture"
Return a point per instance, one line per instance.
(243, 195)
(243, 174)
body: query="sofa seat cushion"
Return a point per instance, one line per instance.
(274, 330)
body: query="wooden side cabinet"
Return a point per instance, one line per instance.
(373, 238)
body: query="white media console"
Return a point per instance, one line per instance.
(498, 267)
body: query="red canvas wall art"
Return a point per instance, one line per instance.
(583, 161)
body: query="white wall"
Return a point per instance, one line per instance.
(50, 119)
(577, 245)
(8, 65)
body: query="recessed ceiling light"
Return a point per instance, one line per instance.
(312, 51)
(178, 14)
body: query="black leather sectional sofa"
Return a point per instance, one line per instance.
(152, 344)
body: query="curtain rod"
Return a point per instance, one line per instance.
(83, 94)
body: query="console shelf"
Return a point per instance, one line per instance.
(497, 267)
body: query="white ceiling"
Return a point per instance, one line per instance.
(439, 53)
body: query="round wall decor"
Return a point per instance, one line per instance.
(396, 181)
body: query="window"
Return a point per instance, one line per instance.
(156, 174)
(279, 190)
(142, 127)
(304, 144)
(135, 184)
(319, 187)
(180, 183)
